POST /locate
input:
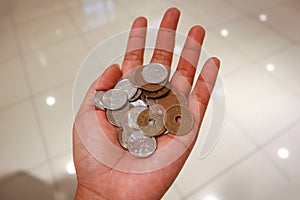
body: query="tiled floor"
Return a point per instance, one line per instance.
(43, 43)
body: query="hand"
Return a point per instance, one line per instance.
(96, 180)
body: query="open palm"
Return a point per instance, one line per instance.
(127, 177)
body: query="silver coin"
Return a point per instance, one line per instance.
(126, 86)
(125, 122)
(98, 100)
(155, 73)
(115, 116)
(124, 136)
(137, 95)
(114, 99)
(138, 103)
(166, 132)
(157, 109)
(133, 115)
(147, 100)
(140, 145)
(121, 141)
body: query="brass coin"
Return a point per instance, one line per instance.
(172, 98)
(153, 87)
(159, 93)
(150, 123)
(178, 120)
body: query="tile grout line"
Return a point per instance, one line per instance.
(34, 108)
(257, 149)
(256, 65)
(52, 159)
(269, 141)
(222, 173)
(63, 10)
(10, 105)
(286, 86)
(266, 24)
(77, 28)
(290, 41)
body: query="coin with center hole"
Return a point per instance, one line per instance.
(114, 99)
(98, 100)
(126, 86)
(155, 73)
(178, 120)
(140, 145)
(133, 115)
(150, 123)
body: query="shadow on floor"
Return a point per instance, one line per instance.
(23, 186)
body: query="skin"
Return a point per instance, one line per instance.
(98, 181)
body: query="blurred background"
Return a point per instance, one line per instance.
(43, 42)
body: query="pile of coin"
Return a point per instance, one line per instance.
(145, 106)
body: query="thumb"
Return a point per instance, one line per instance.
(109, 78)
(106, 81)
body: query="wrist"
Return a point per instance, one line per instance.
(83, 193)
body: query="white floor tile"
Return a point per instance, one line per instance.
(249, 35)
(45, 31)
(24, 11)
(282, 18)
(96, 14)
(232, 60)
(55, 65)
(210, 13)
(260, 104)
(231, 147)
(289, 141)
(21, 146)
(13, 83)
(286, 70)
(143, 8)
(8, 47)
(56, 120)
(252, 6)
(172, 194)
(249, 181)
(99, 35)
(42, 173)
